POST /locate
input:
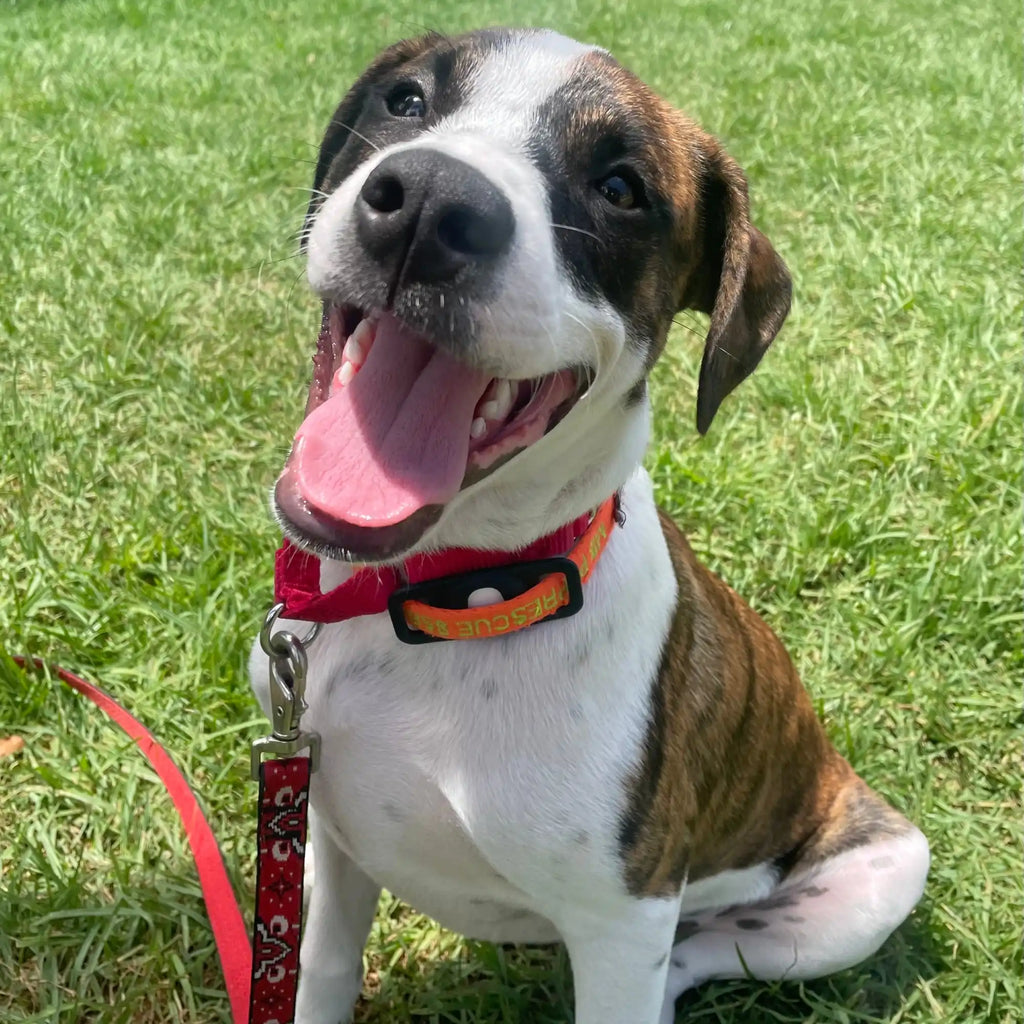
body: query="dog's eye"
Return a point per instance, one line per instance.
(622, 190)
(407, 101)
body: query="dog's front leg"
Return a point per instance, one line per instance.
(620, 963)
(341, 908)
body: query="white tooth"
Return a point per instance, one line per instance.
(486, 398)
(345, 374)
(496, 401)
(477, 428)
(353, 351)
(359, 343)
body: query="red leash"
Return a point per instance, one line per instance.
(260, 978)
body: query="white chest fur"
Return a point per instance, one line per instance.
(459, 775)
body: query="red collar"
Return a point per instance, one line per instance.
(449, 575)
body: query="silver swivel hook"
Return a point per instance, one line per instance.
(288, 664)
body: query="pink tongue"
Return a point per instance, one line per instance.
(395, 438)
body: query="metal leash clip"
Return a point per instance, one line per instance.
(288, 664)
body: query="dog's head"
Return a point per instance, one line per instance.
(502, 227)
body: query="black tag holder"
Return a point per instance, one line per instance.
(511, 581)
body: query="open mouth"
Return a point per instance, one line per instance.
(395, 427)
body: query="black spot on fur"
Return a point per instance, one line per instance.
(813, 890)
(751, 924)
(392, 812)
(360, 665)
(684, 930)
(660, 961)
(581, 653)
(489, 689)
(635, 395)
(678, 961)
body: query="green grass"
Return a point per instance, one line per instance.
(863, 490)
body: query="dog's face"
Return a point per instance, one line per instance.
(502, 227)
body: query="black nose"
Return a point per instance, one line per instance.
(437, 212)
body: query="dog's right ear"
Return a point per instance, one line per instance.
(741, 281)
(340, 129)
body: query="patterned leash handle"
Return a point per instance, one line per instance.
(281, 837)
(277, 925)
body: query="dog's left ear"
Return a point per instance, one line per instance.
(741, 281)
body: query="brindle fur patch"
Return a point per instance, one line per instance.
(737, 770)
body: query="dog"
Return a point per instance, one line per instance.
(502, 226)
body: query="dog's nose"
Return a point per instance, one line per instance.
(440, 212)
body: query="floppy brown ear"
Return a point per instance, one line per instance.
(340, 129)
(741, 281)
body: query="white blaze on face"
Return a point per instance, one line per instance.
(512, 84)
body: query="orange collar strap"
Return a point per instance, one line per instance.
(553, 590)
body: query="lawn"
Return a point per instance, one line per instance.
(863, 490)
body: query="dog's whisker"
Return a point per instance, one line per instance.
(308, 191)
(272, 261)
(580, 231)
(687, 327)
(298, 160)
(295, 281)
(304, 142)
(335, 123)
(690, 315)
(593, 340)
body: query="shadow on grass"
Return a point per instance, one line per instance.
(533, 985)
